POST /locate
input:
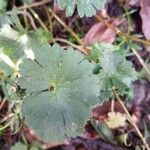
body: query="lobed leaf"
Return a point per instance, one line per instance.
(61, 90)
(84, 7)
(114, 71)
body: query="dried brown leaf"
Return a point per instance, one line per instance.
(101, 112)
(145, 15)
(101, 33)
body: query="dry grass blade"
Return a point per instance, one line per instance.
(131, 121)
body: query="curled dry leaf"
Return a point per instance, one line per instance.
(145, 15)
(115, 120)
(101, 112)
(101, 33)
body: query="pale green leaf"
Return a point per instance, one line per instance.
(102, 129)
(84, 7)
(61, 90)
(27, 1)
(20, 146)
(3, 5)
(113, 70)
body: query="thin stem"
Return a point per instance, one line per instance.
(65, 26)
(117, 31)
(112, 105)
(38, 19)
(36, 4)
(131, 120)
(71, 44)
(28, 15)
(25, 18)
(4, 127)
(6, 118)
(49, 17)
(128, 20)
(2, 103)
(141, 61)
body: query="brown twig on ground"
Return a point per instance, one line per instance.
(67, 28)
(80, 48)
(116, 30)
(38, 19)
(28, 15)
(131, 120)
(36, 4)
(141, 61)
(49, 17)
(2, 103)
(131, 37)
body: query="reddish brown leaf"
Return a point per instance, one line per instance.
(100, 112)
(101, 33)
(145, 15)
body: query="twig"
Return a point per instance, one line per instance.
(28, 15)
(128, 20)
(131, 121)
(38, 18)
(49, 17)
(2, 103)
(141, 61)
(116, 30)
(65, 26)
(71, 44)
(36, 4)
(25, 18)
(6, 118)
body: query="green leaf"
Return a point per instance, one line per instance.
(114, 71)
(20, 146)
(84, 7)
(16, 44)
(61, 90)
(15, 21)
(43, 35)
(117, 70)
(3, 5)
(27, 1)
(102, 129)
(9, 39)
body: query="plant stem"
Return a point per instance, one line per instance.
(36, 4)
(65, 26)
(2, 103)
(116, 30)
(38, 19)
(27, 14)
(131, 121)
(128, 20)
(25, 18)
(71, 44)
(141, 61)
(49, 17)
